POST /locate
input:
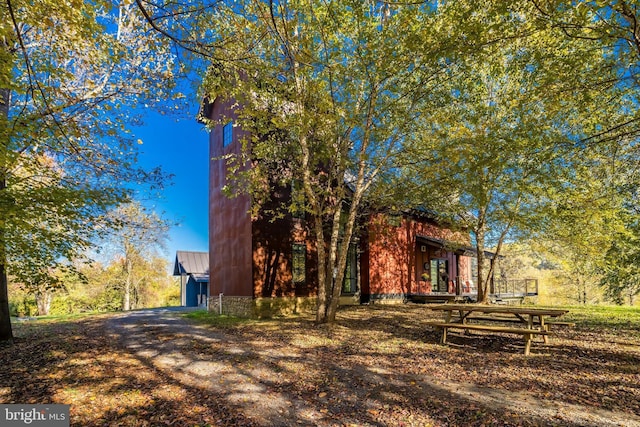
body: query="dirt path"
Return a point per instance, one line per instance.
(274, 380)
(170, 344)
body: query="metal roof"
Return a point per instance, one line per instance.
(200, 278)
(196, 263)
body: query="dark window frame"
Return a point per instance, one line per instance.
(298, 263)
(227, 134)
(438, 267)
(350, 280)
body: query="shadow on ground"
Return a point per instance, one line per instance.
(374, 367)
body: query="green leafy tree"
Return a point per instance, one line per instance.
(500, 154)
(69, 72)
(620, 267)
(585, 219)
(153, 285)
(595, 221)
(134, 246)
(610, 27)
(621, 279)
(327, 91)
(42, 284)
(96, 287)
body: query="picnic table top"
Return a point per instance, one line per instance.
(484, 308)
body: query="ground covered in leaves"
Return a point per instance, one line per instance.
(377, 366)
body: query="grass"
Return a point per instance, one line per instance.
(214, 319)
(67, 317)
(605, 316)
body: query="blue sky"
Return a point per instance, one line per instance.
(180, 146)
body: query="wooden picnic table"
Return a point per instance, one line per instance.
(531, 321)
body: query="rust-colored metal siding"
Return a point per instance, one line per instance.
(395, 260)
(250, 256)
(230, 248)
(273, 242)
(390, 257)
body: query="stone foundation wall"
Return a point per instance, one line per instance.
(387, 298)
(262, 307)
(232, 306)
(350, 300)
(284, 306)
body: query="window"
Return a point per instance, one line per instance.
(299, 263)
(350, 282)
(297, 199)
(439, 275)
(227, 134)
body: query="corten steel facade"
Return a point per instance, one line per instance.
(273, 243)
(251, 258)
(400, 250)
(230, 235)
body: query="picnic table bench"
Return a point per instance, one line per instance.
(532, 321)
(504, 319)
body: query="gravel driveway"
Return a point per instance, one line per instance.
(267, 376)
(169, 342)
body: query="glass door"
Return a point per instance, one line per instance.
(439, 275)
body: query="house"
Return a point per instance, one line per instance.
(262, 265)
(411, 256)
(193, 269)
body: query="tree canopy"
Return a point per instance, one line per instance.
(521, 126)
(507, 117)
(488, 115)
(71, 77)
(327, 92)
(138, 237)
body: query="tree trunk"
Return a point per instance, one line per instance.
(323, 275)
(6, 333)
(483, 294)
(126, 305)
(343, 247)
(326, 275)
(335, 261)
(43, 301)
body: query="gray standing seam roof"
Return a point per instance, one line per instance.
(187, 262)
